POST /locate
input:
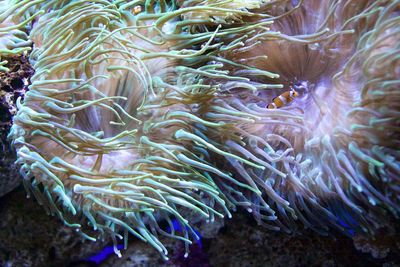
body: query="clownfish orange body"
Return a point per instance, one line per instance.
(283, 99)
(136, 10)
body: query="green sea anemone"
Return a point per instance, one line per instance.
(134, 118)
(95, 133)
(331, 155)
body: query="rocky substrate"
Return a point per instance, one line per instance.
(29, 237)
(13, 84)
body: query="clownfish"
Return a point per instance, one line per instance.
(283, 99)
(136, 10)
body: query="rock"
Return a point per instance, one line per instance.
(13, 84)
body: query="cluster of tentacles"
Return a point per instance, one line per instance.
(135, 118)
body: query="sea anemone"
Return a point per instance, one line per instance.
(330, 155)
(95, 133)
(140, 111)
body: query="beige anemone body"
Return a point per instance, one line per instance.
(96, 119)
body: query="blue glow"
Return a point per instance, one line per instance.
(178, 228)
(347, 221)
(109, 250)
(103, 254)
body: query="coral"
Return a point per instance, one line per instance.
(133, 120)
